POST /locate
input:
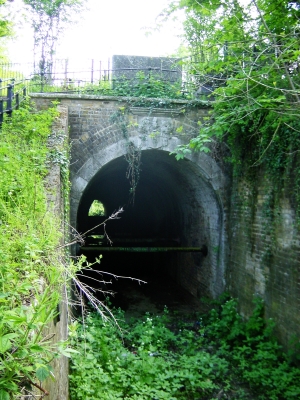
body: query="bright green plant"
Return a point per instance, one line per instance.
(142, 86)
(146, 368)
(96, 209)
(31, 274)
(253, 351)
(152, 85)
(175, 357)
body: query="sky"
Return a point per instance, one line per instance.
(107, 27)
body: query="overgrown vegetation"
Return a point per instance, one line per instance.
(150, 85)
(5, 29)
(213, 356)
(96, 209)
(31, 273)
(245, 56)
(147, 85)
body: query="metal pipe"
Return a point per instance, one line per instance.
(202, 249)
(135, 240)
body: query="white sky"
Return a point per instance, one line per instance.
(108, 27)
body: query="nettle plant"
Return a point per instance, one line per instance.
(31, 273)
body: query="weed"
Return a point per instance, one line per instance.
(30, 272)
(163, 357)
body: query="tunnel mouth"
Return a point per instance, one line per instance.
(159, 236)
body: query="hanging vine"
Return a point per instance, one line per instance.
(133, 158)
(133, 153)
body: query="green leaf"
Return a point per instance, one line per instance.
(42, 373)
(36, 348)
(5, 343)
(67, 352)
(4, 395)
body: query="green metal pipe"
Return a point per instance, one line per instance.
(143, 249)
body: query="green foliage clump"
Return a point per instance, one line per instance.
(151, 362)
(216, 355)
(30, 273)
(245, 57)
(253, 352)
(148, 86)
(96, 209)
(151, 85)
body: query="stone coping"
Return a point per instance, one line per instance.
(74, 96)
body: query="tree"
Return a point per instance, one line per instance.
(48, 20)
(5, 26)
(250, 56)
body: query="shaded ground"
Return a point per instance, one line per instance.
(138, 298)
(159, 292)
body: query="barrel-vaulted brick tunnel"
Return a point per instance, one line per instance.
(185, 203)
(177, 204)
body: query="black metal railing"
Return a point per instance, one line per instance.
(12, 94)
(97, 77)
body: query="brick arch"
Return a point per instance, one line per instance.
(202, 196)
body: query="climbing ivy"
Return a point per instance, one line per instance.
(150, 85)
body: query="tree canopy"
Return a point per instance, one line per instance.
(48, 19)
(248, 56)
(5, 25)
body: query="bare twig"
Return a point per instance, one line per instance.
(46, 393)
(79, 237)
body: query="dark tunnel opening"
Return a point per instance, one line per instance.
(168, 211)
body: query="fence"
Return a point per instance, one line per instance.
(104, 78)
(12, 93)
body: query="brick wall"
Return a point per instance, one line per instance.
(265, 253)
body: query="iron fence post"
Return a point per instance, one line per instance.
(42, 82)
(66, 71)
(10, 95)
(17, 101)
(1, 111)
